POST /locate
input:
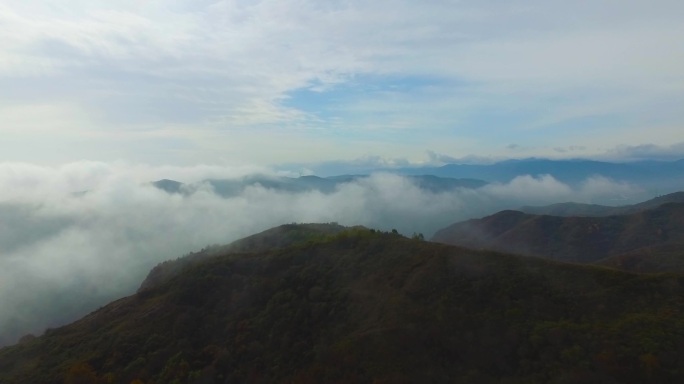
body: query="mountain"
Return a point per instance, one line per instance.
(662, 176)
(235, 187)
(577, 209)
(574, 239)
(274, 238)
(363, 306)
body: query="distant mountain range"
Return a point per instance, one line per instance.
(234, 187)
(665, 175)
(316, 304)
(657, 177)
(630, 238)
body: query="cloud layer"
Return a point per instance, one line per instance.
(269, 81)
(74, 237)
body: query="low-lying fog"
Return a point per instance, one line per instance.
(75, 237)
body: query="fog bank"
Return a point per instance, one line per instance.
(75, 237)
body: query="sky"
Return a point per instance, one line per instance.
(261, 83)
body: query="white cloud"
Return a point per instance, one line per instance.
(213, 68)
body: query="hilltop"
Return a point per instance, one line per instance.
(278, 237)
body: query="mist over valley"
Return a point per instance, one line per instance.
(77, 236)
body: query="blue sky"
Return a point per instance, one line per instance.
(269, 82)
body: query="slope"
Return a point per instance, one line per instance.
(575, 239)
(577, 209)
(278, 237)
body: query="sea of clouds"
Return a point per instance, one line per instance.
(74, 237)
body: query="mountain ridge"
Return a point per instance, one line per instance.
(578, 209)
(366, 306)
(326, 185)
(572, 238)
(664, 176)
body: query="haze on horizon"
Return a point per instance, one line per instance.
(301, 81)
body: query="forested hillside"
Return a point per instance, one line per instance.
(580, 239)
(577, 209)
(370, 307)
